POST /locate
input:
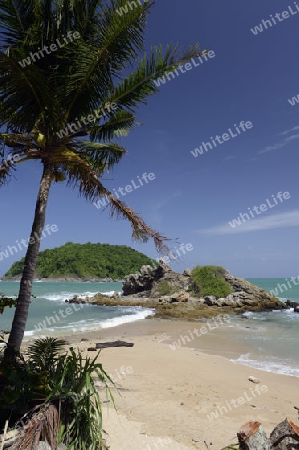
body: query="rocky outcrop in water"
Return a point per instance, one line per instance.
(149, 283)
(172, 295)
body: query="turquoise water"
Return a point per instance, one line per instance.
(284, 287)
(49, 314)
(270, 339)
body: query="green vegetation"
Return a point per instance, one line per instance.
(85, 261)
(5, 302)
(165, 288)
(52, 395)
(208, 280)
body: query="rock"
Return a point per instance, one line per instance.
(253, 296)
(296, 309)
(187, 273)
(252, 437)
(181, 296)
(143, 280)
(172, 295)
(99, 297)
(148, 278)
(285, 436)
(253, 380)
(210, 300)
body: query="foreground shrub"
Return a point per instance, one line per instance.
(53, 396)
(5, 302)
(208, 280)
(165, 288)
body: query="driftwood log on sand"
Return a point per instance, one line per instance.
(114, 344)
(110, 344)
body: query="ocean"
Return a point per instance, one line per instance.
(49, 314)
(268, 341)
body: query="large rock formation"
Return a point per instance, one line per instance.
(172, 295)
(147, 279)
(143, 280)
(245, 294)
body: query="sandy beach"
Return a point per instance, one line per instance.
(180, 399)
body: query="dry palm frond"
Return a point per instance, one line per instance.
(43, 425)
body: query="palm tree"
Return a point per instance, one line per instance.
(72, 75)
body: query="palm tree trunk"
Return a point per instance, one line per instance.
(22, 306)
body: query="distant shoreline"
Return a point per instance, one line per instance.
(66, 280)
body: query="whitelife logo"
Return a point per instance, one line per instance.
(188, 66)
(283, 287)
(129, 188)
(263, 207)
(13, 249)
(294, 100)
(76, 126)
(225, 136)
(224, 409)
(280, 17)
(71, 36)
(132, 5)
(183, 340)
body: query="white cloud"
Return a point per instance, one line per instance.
(282, 220)
(281, 144)
(289, 131)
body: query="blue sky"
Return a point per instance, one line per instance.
(192, 199)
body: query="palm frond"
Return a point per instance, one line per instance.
(94, 68)
(42, 426)
(118, 126)
(16, 18)
(22, 111)
(43, 353)
(136, 87)
(101, 155)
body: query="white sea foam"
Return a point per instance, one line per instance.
(138, 313)
(267, 366)
(61, 297)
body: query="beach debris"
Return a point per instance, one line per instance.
(253, 437)
(114, 344)
(91, 349)
(285, 436)
(195, 439)
(253, 380)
